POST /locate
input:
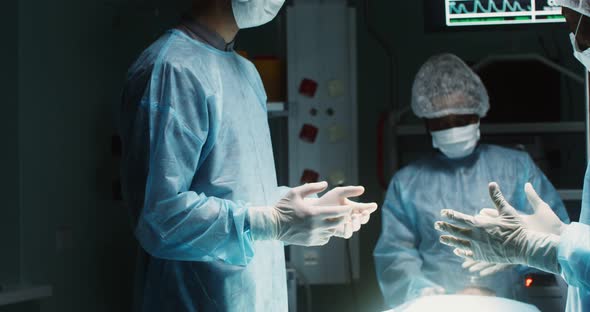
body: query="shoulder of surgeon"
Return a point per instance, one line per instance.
(507, 155)
(166, 57)
(176, 54)
(425, 167)
(185, 51)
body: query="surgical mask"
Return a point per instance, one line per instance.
(252, 13)
(457, 142)
(582, 56)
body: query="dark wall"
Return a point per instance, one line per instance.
(9, 160)
(73, 59)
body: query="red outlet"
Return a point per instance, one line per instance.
(308, 87)
(308, 133)
(309, 176)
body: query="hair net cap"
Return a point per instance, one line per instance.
(445, 85)
(580, 6)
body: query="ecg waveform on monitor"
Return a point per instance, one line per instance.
(501, 12)
(492, 7)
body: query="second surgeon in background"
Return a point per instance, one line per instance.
(410, 260)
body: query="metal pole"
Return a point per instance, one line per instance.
(587, 105)
(529, 57)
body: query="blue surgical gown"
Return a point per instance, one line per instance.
(574, 256)
(196, 155)
(409, 256)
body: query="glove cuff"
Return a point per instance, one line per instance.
(542, 252)
(262, 223)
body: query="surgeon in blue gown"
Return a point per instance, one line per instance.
(502, 235)
(198, 173)
(410, 260)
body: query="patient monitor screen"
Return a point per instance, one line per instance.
(501, 12)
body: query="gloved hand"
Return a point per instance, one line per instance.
(506, 238)
(361, 212)
(543, 218)
(431, 291)
(485, 268)
(477, 291)
(298, 220)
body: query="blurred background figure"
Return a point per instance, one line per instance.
(539, 240)
(409, 259)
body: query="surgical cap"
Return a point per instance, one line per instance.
(445, 85)
(580, 6)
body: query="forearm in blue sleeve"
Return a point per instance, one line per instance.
(179, 223)
(574, 255)
(192, 227)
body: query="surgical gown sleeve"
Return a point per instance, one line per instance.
(546, 190)
(177, 125)
(398, 262)
(574, 255)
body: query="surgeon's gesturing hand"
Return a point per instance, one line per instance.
(542, 220)
(360, 214)
(298, 220)
(505, 238)
(485, 268)
(431, 291)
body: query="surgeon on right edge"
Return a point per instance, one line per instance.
(540, 240)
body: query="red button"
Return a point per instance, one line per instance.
(308, 87)
(308, 133)
(309, 176)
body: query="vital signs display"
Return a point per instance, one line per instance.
(501, 12)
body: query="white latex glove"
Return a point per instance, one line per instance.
(502, 239)
(543, 218)
(360, 214)
(432, 291)
(485, 268)
(297, 220)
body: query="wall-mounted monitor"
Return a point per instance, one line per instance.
(448, 14)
